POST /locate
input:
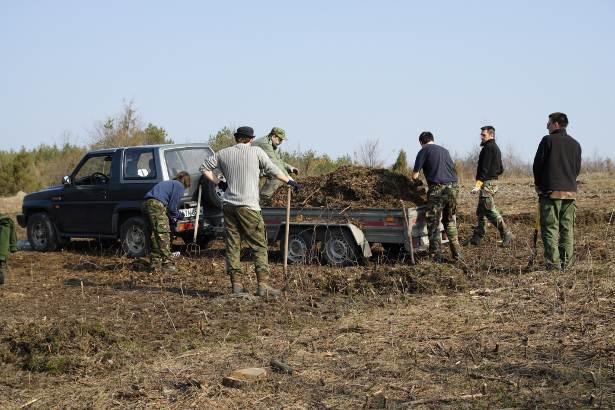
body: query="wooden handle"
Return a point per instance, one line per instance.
(286, 230)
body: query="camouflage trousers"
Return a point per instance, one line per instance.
(8, 239)
(241, 222)
(442, 206)
(158, 222)
(268, 187)
(486, 209)
(557, 217)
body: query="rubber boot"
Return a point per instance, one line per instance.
(264, 289)
(455, 250)
(505, 234)
(236, 287)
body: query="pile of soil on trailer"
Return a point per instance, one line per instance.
(354, 186)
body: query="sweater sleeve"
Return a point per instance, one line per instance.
(267, 165)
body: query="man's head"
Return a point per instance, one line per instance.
(557, 120)
(184, 178)
(425, 137)
(244, 135)
(277, 135)
(487, 133)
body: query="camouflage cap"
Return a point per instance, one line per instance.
(278, 132)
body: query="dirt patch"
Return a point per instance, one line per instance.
(357, 187)
(89, 328)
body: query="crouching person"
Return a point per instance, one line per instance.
(8, 243)
(161, 205)
(241, 166)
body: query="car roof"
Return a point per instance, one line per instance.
(154, 146)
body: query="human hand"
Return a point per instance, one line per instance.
(475, 190)
(223, 186)
(294, 170)
(296, 186)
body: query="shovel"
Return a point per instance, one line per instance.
(286, 230)
(194, 248)
(534, 249)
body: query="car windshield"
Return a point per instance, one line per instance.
(186, 159)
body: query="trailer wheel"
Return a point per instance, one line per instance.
(300, 244)
(339, 248)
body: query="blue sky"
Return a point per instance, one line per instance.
(334, 74)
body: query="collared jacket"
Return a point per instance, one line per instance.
(489, 162)
(273, 153)
(557, 163)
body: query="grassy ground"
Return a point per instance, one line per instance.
(89, 328)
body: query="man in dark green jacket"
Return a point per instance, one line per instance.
(8, 243)
(557, 165)
(270, 143)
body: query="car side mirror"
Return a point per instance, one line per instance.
(66, 180)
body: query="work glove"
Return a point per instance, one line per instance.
(296, 187)
(294, 170)
(223, 186)
(475, 190)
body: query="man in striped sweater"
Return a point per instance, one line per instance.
(241, 166)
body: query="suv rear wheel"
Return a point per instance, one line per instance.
(134, 235)
(42, 233)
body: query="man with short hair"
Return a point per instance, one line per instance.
(241, 166)
(557, 165)
(439, 171)
(487, 172)
(161, 212)
(270, 143)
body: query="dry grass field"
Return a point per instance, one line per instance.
(89, 328)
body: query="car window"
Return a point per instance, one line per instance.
(96, 170)
(186, 159)
(139, 164)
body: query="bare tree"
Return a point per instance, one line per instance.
(368, 154)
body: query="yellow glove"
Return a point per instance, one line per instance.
(477, 187)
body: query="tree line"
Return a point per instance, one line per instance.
(33, 169)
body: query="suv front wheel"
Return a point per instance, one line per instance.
(134, 235)
(42, 233)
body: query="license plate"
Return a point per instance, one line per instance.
(189, 212)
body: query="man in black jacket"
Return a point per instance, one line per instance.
(557, 165)
(487, 172)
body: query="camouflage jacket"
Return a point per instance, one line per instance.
(273, 153)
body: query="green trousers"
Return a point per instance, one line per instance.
(158, 221)
(268, 187)
(8, 238)
(486, 209)
(442, 206)
(243, 222)
(557, 218)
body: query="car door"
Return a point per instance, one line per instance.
(83, 207)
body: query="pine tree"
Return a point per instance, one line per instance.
(401, 163)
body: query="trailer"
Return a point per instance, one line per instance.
(344, 236)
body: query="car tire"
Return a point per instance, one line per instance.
(42, 233)
(135, 237)
(213, 195)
